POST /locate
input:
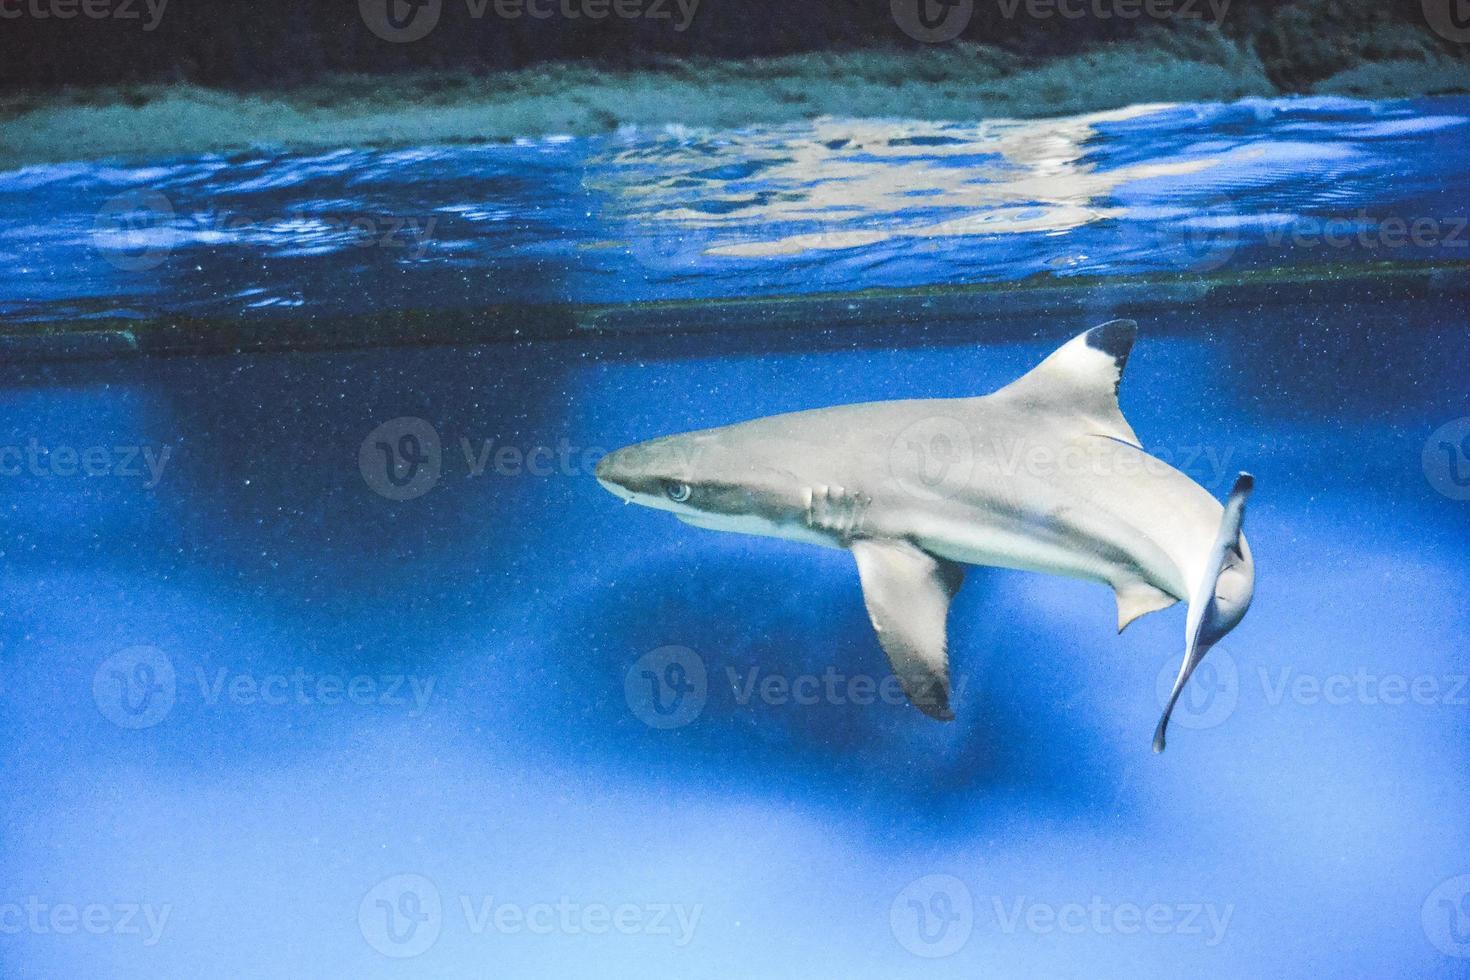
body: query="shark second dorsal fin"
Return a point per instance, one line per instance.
(1081, 378)
(1139, 598)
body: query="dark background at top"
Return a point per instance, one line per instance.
(256, 43)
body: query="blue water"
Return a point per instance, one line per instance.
(180, 630)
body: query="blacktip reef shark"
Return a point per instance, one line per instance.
(1043, 475)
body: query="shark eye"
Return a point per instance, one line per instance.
(678, 492)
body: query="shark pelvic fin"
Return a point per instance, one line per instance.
(1137, 599)
(1081, 378)
(907, 592)
(1221, 598)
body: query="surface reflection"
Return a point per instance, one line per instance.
(861, 182)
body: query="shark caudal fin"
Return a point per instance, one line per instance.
(1081, 378)
(1221, 597)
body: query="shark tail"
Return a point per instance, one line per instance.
(1221, 598)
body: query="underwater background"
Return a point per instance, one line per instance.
(270, 706)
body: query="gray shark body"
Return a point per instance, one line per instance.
(1043, 475)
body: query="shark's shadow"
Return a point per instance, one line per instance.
(769, 621)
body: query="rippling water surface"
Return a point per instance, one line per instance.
(830, 205)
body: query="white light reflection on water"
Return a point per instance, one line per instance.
(836, 183)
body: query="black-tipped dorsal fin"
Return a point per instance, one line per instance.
(1081, 378)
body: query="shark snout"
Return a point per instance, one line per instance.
(611, 472)
(625, 473)
(646, 470)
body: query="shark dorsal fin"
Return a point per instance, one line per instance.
(1081, 378)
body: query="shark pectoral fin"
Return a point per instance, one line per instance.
(907, 592)
(1137, 599)
(1221, 597)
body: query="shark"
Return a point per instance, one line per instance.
(1043, 475)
